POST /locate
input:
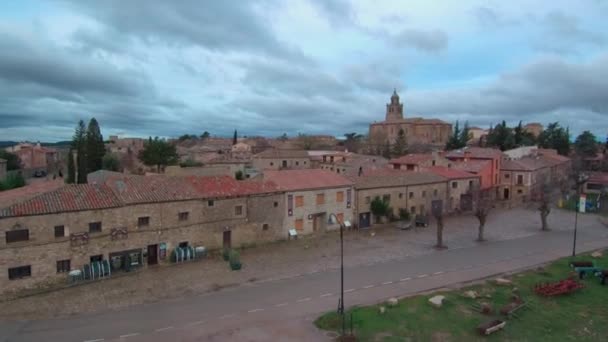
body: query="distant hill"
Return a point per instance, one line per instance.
(4, 144)
(8, 143)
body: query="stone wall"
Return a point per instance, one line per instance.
(331, 206)
(277, 163)
(205, 226)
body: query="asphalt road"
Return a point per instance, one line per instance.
(282, 310)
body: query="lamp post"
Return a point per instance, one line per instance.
(580, 180)
(334, 219)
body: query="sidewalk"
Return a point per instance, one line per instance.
(285, 259)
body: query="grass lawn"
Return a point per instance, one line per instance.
(582, 316)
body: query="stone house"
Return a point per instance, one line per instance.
(350, 164)
(411, 191)
(416, 161)
(276, 159)
(535, 128)
(36, 157)
(596, 183)
(484, 162)
(522, 179)
(2, 169)
(311, 196)
(136, 220)
(460, 185)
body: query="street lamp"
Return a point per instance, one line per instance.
(580, 180)
(333, 219)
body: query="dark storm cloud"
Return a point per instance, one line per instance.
(40, 63)
(214, 25)
(537, 90)
(564, 33)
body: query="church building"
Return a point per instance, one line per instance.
(418, 131)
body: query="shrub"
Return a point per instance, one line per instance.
(404, 214)
(12, 181)
(239, 175)
(235, 260)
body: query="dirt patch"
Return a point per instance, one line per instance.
(441, 337)
(381, 336)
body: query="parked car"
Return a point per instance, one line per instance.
(422, 220)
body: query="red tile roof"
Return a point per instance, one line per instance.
(449, 173)
(282, 153)
(9, 197)
(414, 158)
(476, 152)
(151, 189)
(290, 180)
(598, 177)
(385, 178)
(73, 197)
(472, 165)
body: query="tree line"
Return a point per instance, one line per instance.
(86, 153)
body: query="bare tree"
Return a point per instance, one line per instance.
(545, 205)
(437, 212)
(483, 204)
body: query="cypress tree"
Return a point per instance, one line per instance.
(79, 145)
(95, 149)
(71, 169)
(234, 139)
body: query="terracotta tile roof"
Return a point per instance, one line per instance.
(598, 177)
(73, 197)
(290, 180)
(280, 153)
(449, 173)
(151, 189)
(10, 197)
(476, 152)
(413, 158)
(384, 178)
(474, 166)
(226, 186)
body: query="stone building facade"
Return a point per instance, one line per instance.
(460, 186)
(417, 130)
(311, 196)
(417, 161)
(49, 235)
(276, 159)
(412, 191)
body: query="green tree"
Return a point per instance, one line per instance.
(400, 146)
(71, 178)
(239, 175)
(305, 141)
(205, 135)
(12, 181)
(501, 137)
(158, 152)
(12, 160)
(95, 148)
(380, 208)
(353, 141)
(283, 137)
(79, 145)
(586, 144)
(386, 152)
(555, 137)
(234, 138)
(454, 140)
(465, 135)
(186, 137)
(111, 162)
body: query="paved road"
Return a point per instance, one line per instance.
(282, 310)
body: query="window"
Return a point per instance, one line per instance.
(320, 199)
(340, 196)
(304, 163)
(96, 258)
(59, 231)
(386, 198)
(507, 176)
(17, 235)
(435, 193)
(210, 203)
(95, 227)
(337, 170)
(271, 164)
(411, 194)
(401, 195)
(63, 266)
(410, 167)
(520, 191)
(183, 244)
(454, 185)
(423, 193)
(340, 217)
(297, 163)
(143, 221)
(284, 163)
(265, 226)
(299, 201)
(470, 184)
(276, 204)
(520, 179)
(19, 272)
(413, 210)
(238, 210)
(367, 200)
(183, 216)
(433, 162)
(299, 224)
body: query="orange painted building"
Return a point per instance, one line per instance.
(484, 162)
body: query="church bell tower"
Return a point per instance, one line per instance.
(394, 110)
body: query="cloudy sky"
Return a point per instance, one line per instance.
(266, 67)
